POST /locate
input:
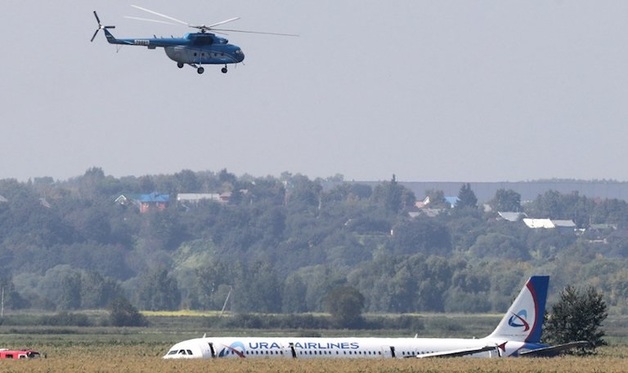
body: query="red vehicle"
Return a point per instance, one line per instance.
(18, 354)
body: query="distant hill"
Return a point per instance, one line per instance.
(528, 190)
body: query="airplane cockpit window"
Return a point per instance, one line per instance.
(190, 352)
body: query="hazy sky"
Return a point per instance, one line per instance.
(428, 90)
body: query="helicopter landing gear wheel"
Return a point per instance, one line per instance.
(224, 70)
(200, 70)
(180, 65)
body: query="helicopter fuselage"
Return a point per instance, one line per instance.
(195, 49)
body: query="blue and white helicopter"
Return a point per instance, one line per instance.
(194, 49)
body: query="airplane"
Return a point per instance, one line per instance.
(193, 49)
(518, 334)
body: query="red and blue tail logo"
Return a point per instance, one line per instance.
(518, 320)
(524, 319)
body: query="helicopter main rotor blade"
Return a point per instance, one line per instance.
(255, 32)
(95, 33)
(223, 22)
(160, 15)
(149, 20)
(203, 28)
(97, 19)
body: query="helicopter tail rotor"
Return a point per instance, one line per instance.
(100, 26)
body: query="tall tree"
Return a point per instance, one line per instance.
(159, 291)
(187, 182)
(466, 197)
(506, 200)
(393, 197)
(345, 304)
(122, 313)
(577, 316)
(70, 292)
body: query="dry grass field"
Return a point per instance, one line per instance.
(119, 350)
(108, 357)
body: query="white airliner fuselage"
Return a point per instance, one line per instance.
(304, 348)
(518, 334)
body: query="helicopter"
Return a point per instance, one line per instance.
(194, 49)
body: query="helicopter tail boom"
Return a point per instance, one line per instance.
(110, 38)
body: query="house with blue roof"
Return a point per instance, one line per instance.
(153, 201)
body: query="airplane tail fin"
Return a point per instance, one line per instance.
(524, 319)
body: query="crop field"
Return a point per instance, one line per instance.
(146, 358)
(109, 349)
(129, 351)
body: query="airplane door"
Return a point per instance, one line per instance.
(388, 351)
(290, 351)
(212, 351)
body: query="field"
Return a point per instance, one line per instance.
(114, 357)
(106, 349)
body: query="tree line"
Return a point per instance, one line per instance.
(287, 244)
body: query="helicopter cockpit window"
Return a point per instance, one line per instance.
(204, 40)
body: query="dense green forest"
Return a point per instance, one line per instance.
(284, 244)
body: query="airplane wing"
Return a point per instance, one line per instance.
(460, 352)
(553, 350)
